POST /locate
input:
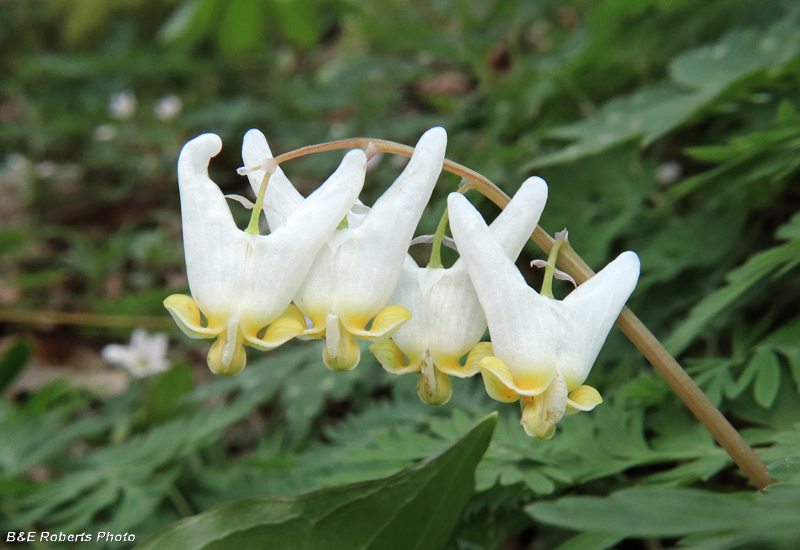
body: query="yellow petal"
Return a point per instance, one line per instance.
(386, 323)
(225, 357)
(433, 387)
(498, 380)
(584, 398)
(341, 351)
(317, 331)
(541, 413)
(391, 357)
(291, 323)
(471, 365)
(186, 314)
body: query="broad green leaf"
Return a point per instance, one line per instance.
(646, 512)
(416, 508)
(788, 470)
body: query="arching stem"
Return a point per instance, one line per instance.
(725, 434)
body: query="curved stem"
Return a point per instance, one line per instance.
(681, 383)
(255, 215)
(436, 251)
(51, 317)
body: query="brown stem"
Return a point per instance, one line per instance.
(87, 319)
(725, 434)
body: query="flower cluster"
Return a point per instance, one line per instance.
(332, 268)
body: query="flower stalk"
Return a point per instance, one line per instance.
(683, 385)
(436, 250)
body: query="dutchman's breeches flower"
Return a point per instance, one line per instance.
(447, 319)
(241, 281)
(543, 348)
(354, 276)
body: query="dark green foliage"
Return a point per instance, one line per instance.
(415, 508)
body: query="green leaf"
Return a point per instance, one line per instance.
(768, 377)
(12, 363)
(698, 77)
(242, 26)
(299, 21)
(646, 512)
(740, 280)
(416, 508)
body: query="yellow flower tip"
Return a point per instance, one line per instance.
(498, 380)
(536, 420)
(341, 352)
(290, 324)
(186, 314)
(449, 365)
(225, 359)
(584, 398)
(433, 386)
(391, 357)
(479, 351)
(316, 332)
(532, 383)
(385, 324)
(541, 413)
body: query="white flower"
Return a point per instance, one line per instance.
(243, 282)
(144, 356)
(168, 107)
(447, 319)
(354, 276)
(543, 348)
(122, 105)
(46, 169)
(104, 132)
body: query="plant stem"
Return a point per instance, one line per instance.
(51, 317)
(180, 502)
(550, 270)
(255, 216)
(725, 434)
(436, 251)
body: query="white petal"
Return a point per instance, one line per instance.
(157, 347)
(515, 224)
(370, 261)
(523, 325)
(590, 312)
(455, 318)
(281, 195)
(279, 262)
(457, 321)
(412, 337)
(117, 355)
(213, 245)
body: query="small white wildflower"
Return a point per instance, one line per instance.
(122, 105)
(144, 356)
(46, 169)
(17, 164)
(104, 132)
(168, 107)
(668, 173)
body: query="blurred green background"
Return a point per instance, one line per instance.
(667, 127)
